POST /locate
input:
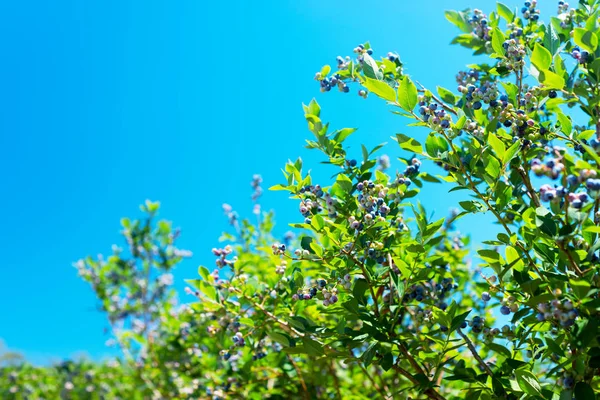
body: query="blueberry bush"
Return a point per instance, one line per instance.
(369, 296)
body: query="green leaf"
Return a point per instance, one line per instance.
(344, 182)
(380, 88)
(446, 95)
(325, 71)
(505, 12)
(408, 143)
(435, 145)
(584, 391)
(497, 145)
(511, 152)
(551, 40)
(493, 167)
(551, 80)
(499, 349)
(370, 68)
(580, 288)
(498, 41)
(342, 134)
(368, 355)
(312, 108)
(459, 19)
(407, 94)
(585, 39)
(459, 319)
(279, 338)
(541, 57)
(317, 222)
(565, 123)
(312, 347)
(528, 382)
(203, 272)
(471, 206)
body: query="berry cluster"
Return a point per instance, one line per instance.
(475, 96)
(582, 56)
(372, 201)
(342, 63)
(346, 281)
(464, 78)
(433, 114)
(424, 316)
(477, 324)
(565, 15)
(413, 168)
(474, 129)
(238, 339)
(301, 253)
(556, 311)
(515, 54)
(361, 49)
(280, 269)
(552, 168)
(256, 181)
(231, 215)
(509, 305)
(549, 193)
(329, 295)
(479, 23)
(529, 11)
(311, 203)
(431, 291)
(515, 31)
(278, 249)
(328, 83)
(566, 381)
(490, 334)
(222, 254)
(383, 162)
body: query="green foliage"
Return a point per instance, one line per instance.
(372, 297)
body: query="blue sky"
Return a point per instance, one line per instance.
(106, 104)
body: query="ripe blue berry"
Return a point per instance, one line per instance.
(352, 163)
(505, 310)
(485, 296)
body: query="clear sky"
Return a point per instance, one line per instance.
(105, 104)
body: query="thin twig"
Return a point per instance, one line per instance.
(299, 373)
(473, 350)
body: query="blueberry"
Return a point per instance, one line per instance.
(577, 203)
(463, 325)
(552, 94)
(353, 163)
(477, 105)
(505, 310)
(445, 124)
(485, 296)
(507, 123)
(568, 382)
